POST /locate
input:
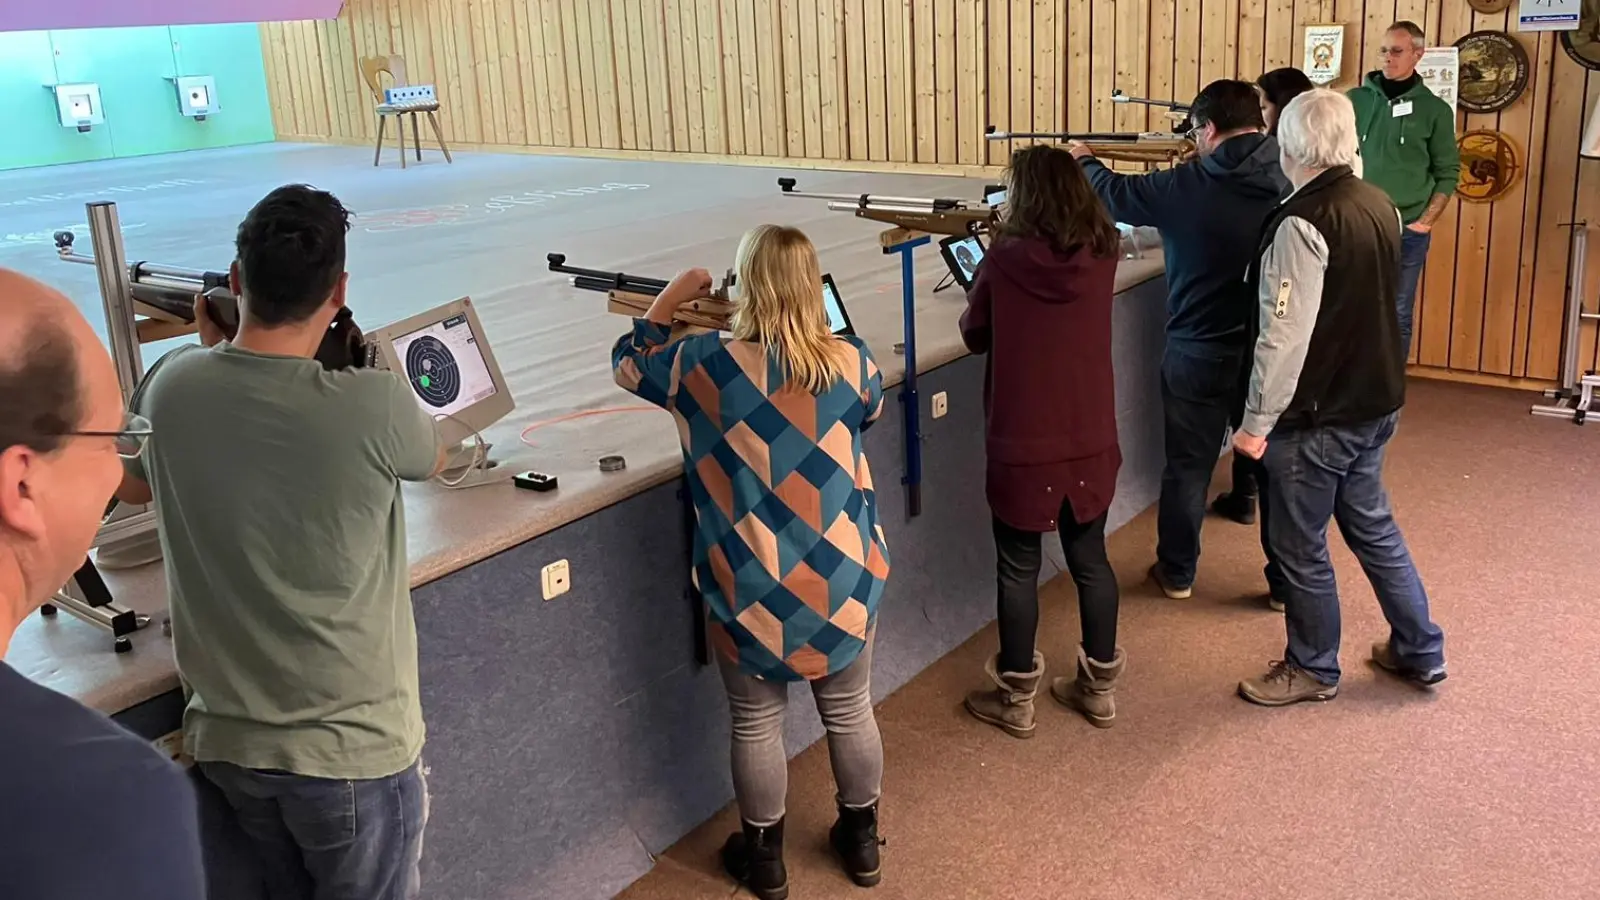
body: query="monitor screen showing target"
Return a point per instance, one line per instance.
(445, 366)
(444, 356)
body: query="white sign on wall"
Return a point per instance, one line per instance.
(1440, 68)
(1549, 15)
(1324, 58)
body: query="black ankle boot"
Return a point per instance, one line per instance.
(754, 857)
(1239, 507)
(855, 838)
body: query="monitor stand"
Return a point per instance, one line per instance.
(462, 465)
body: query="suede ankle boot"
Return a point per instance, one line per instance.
(1008, 705)
(1093, 691)
(854, 838)
(754, 857)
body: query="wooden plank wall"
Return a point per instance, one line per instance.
(908, 85)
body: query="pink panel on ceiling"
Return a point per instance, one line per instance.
(42, 15)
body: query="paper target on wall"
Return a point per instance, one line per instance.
(431, 368)
(1583, 43)
(1489, 165)
(1493, 71)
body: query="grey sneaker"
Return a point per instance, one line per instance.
(1383, 657)
(1285, 684)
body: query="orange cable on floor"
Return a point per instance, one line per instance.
(583, 414)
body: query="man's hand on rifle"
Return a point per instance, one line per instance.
(1080, 150)
(691, 284)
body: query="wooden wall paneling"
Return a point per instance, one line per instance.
(923, 72)
(1102, 66)
(287, 115)
(769, 76)
(1503, 295)
(897, 77)
(473, 129)
(997, 87)
(329, 75)
(794, 106)
(1186, 51)
(708, 39)
(1133, 41)
(811, 76)
(855, 80)
(1588, 209)
(1533, 192)
(689, 52)
(397, 37)
(1216, 54)
(536, 89)
(616, 113)
(875, 79)
(1162, 59)
(970, 97)
(944, 80)
(485, 53)
(1379, 16)
(1473, 222)
(313, 75)
(446, 74)
(300, 79)
(1021, 88)
(637, 82)
(733, 98)
(1252, 44)
(1279, 44)
(510, 36)
(829, 15)
(1080, 60)
(347, 115)
(558, 96)
(272, 52)
(1433, 315)
(1046, 116)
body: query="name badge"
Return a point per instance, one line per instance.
(1402, 109)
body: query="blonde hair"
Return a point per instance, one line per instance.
(779, 306)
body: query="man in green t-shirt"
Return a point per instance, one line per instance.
(1408, 148)
(277, 492)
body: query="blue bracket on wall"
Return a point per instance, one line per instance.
(908, 388)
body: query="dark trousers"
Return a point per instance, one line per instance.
(1413, 256)
(1262, 480)
(1019, 558)
(330, 839)
(1317, 474)
(1244, 476)
(1199, 393)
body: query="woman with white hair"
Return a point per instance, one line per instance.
(1325, 392)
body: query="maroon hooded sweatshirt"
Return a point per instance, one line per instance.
(1044, 319)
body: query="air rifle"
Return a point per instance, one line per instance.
(957, 218)
(1138, 147)
(1177, 112)
(632, 295)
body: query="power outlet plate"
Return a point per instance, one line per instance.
(941, 405)
(556, 579)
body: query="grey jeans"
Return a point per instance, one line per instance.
(760, 766)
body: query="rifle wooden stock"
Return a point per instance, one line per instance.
(958, 222)
(702, 313)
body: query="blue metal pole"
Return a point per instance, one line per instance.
(908, 390)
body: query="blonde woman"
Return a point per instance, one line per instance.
(787, 550)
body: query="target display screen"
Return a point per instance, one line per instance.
(445, 367)
(838, 319)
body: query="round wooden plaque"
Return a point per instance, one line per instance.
(1583, 43)
(1489, 165)
(1493, 72)
(1489, 7)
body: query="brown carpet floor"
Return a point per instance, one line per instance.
(1488, 788)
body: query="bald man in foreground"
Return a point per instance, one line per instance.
(67, 774)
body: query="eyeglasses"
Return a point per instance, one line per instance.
(1395, 51)
(130, 439)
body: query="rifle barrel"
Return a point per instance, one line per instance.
(1101, 136)
(601, 280)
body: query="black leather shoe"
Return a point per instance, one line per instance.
(1236, 507)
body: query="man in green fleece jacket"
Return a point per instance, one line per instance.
(1408, 148)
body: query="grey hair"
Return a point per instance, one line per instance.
(1418, 39)
(1318, 129)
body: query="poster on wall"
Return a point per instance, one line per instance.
(1548, 15)
(1440, 69)
(1324, 59)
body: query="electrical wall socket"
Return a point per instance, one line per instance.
(556, 579)
(941, 404)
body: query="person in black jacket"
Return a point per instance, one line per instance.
(1326, 388)
(1209, 212)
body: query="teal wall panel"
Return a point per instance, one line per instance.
(134, 68)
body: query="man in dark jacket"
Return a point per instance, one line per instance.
(1209, 212)
(1326, 388)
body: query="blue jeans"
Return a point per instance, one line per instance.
(1317, 474)
(1413, 255)
(327, 839)
(1199, 393)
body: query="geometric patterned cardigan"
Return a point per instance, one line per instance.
(788, 551)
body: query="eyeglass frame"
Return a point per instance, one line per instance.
(136, 426)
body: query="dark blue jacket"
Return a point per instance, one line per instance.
(1209, 212)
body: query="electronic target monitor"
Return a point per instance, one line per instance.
(447, 361)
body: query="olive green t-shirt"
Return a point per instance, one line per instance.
(277, 492)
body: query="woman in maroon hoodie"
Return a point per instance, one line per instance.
(1041, 309)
